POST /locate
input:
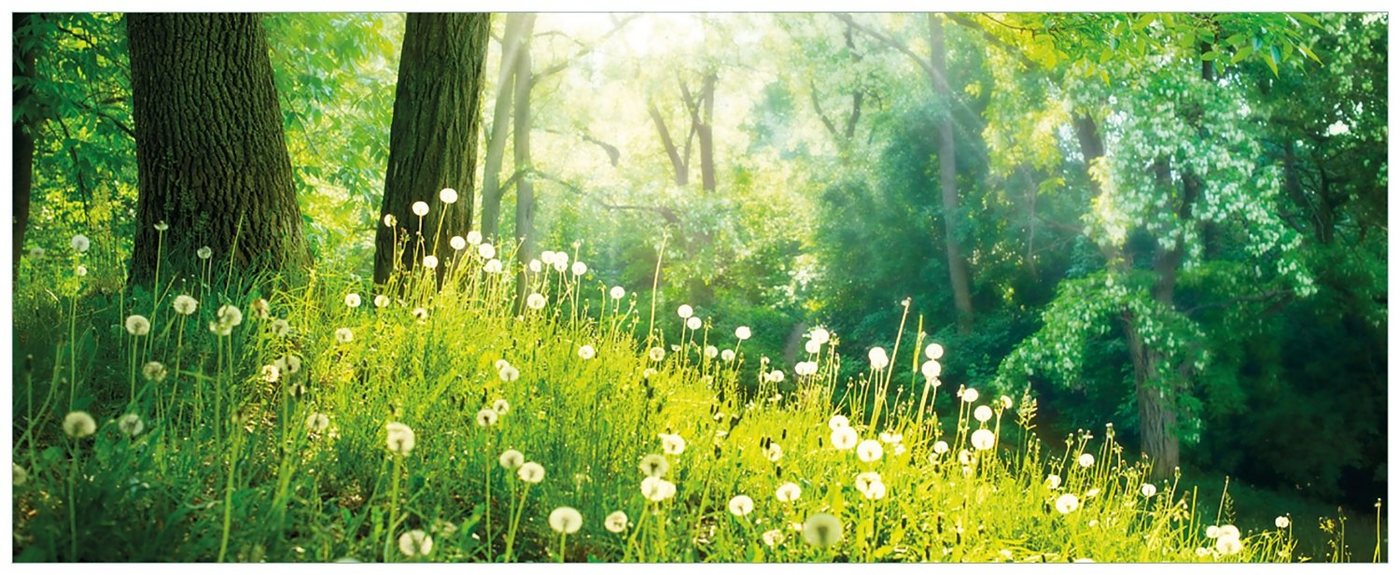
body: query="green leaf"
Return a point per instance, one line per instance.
(1273, 59)
(1241, 54)
(1306, 19)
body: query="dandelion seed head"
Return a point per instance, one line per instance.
(837, 422)
(693, 323)
(878, 358)
(819, 336)
(344, 335)
(420, 209)
(865, 479)
(416, 543)
(1052, 481)
(493, 266)
(586, 352)
(511, 459)
(1067, 503)
(390, 221)
(711, 351)
(776, 376)
(430, 261)
(875, 492)
(80, 243)
(969, 395)
(486, 251)
(229, 314)
(615, 522)
(270, 373)
(1228, 545)
(1282, 522)
(130, 425)
(78, 424)
(743, 332)
(933, 351)
(805, 368)
(788, 492)
(844, 438)
(821, 530)
(448, 196)
(940, 447)
(280, 327)
(656, 489)
(474, 237)
(352, 300)
(868, 451)
(399, 438)
(458, 243)
(1212, 532)
(772, 537)
(740, 505)
(487, 418)
(138, 325)
(773, 452)
(982, 413)
(983, 439)
(671, 444)
(1149, 490)
(154, 371)
(185, 305)
(500, 406)
(381, 300)
(654, 465)
(204, 253)
(579, 268)
(565, 520)
(1086, 460)
(420, 313)
(1229, 531)
(509, 373)
(530, 472)
(812, 346)
(535, 301)
(727, 355)
(317, 422)
(685, 311)
(617, 292)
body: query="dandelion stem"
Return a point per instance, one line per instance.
(73, 500)
(393, 507)
(228, 498)
(515, 522)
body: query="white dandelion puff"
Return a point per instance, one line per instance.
(399, 438)
(586, 352)
(415, 543)
(79, 424)
(741, 505)
(868, 451)
(487, 418)
(185, 305)
(844, 438)
(656, 353)
(656, 489)
(1086, 460)
(1149, 490)
(788, 492)
(565, 520)
(535, 301)
(500, 406)
(474, 237)
(154, 371)
(820, 336)
(493, 266)
(317, 422)
(727, 355)
(617, 292)
(579, 268)
(821, 530)
(685, 311)
(982, 413)
(486, 251)
(344, 335)
(511, 459)
(204, 253)
(1066, 503)
(381, 300)
(615, 522)
(138, 325)
(458, 243)
(878, 358)
(530, 472)
(837, 422)
(969, 395)
(390, 221)
(80, 243)
(933, 351)
(352, 300)
(983, 439)
(130, 425)
(672, 444)
(1052, 481)
(430, 261)
(420, 209)
(693, 323)
(743, 332)
(448, 196)
(654, 465)
(270, 373)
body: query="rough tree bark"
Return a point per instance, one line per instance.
(211, 158)
(491, 190)
(432, 139)
(24, 128)
(948, 178)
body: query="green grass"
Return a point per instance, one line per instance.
(233, 464)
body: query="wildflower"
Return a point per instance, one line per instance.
(982, 413)
(280, 327)
(615, 522)
(381, 300)
(837, 422)
(270, 373)
(458, 243)
(878, 358)
(204, 253)
(230, 314)
(535, 301)
(130, 424)
(964, 457)
(1202, 551)
(822, 530)
(420, 313)
(80, 270)
(654, 465)
(1052, 481)
(20, 477)
(772, 537)
(565, 520)
(969, 395)
(220, 328)
(487, 418)
(579, 268)
(138, 325)
(805, 368)
(154, 371)
(812, 346)
(416, 543)
(530, 472)
(693, 323)
(474, 237)
(875, 491)
(486, 251)
(1067, 503)
(561, 264)
(711, 351)
(983, 439)
(261, 309)
(535, 266)
(741, 505)
(500, 406)
(509, 374)
(390, 221)
(685, 311)
(80, 243)
(868, 451)
(672, 444)
(1091, 492)
(1228, 545)
(317, 422)
(1229, 531)
(352, 300)
(776, 376)
(79, 424)
(420, 209)
(493, 266)
(586, 352)
(931, 369)
(1005, 402)
(933, 351)
(399, 438)
(161, 226)
(656, 353)
(511, 459)
(1148, 490)
(1086, 460)
(788, 492)
(940, 447)
(843, 438)
(448, 196)
(344, 335)
(289, 364)
(773, 452)
(656, 489)
(1281, 522)
(743, 332)
(185, 305)
(36, 252)
(727, 355)
(865, 479)
(1212, 532)
(617, 292)
(430, 261)
(819, 335)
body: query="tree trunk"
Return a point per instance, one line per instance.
(25, 125)
(948, 179)
(211, 157)
(491, 191)
(704, 126)
(432, 140)
(524, 186)
(680, 172)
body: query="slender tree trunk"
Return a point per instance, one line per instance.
(705, 131)
(211, 158)
(679, 170)
(948, 179)
(524, 186)
(491, 191)
(432, 140)
(25, 125)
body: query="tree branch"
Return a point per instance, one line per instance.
(886, 40)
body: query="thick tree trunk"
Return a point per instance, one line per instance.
(947, 178)
(524, 186)
(432, 140)
(491, 191)
(211, 158)
(24, 128)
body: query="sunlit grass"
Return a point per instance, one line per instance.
(444, 421)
